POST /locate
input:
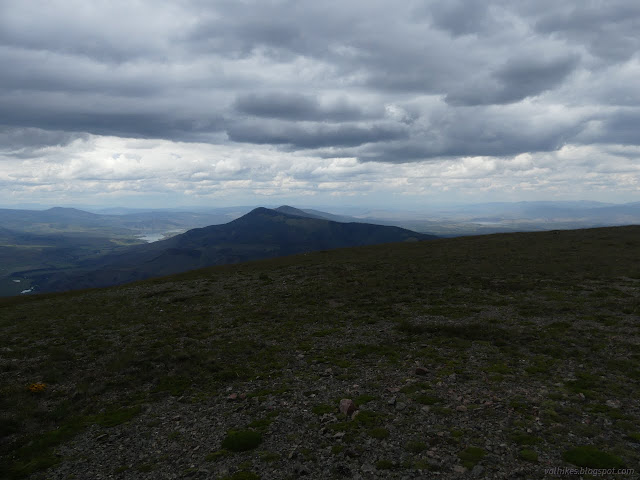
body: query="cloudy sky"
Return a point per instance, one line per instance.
(350, 102)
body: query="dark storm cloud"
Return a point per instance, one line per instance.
(120, 118)
(25, 142)
(516, 80)
(314, 135)
(316, 75)
(619, 128)
(471, 133)
(608, 29)
(293, 106)
(461, 17)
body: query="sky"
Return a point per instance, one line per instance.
(350, 102)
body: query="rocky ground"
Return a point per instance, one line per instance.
(488, 357)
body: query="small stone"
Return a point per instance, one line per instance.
(392, 401)
(426, 409)
(347, 406)
(461, 408)
(351, 453)
(421, 371)
(401, 406)
(368, 468)
(612, 403)
(477, 471)
(233, 397)
(459, 469)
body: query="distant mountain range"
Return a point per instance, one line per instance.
(262, 233)
(62, 248)
(67, 220)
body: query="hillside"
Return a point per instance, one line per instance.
(499, 356)
(262, 233)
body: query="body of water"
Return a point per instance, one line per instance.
(155, 236)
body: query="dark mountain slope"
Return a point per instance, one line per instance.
(299, 213)
(310, 213)
(262, 233)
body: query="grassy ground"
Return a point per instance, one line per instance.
(530, 344)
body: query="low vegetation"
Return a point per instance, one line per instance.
(501, 353)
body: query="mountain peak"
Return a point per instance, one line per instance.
(286, 209)
(260, 211)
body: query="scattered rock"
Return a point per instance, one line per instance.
(347, 406)
(421, 371)
(368, 468)
(477, 470)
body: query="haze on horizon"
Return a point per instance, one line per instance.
(355, 102)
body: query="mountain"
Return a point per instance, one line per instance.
(67, 220)
(311, 213)
(299, 213)
(494, 356)
(262, 233)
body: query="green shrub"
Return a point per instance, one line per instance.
(379, 433)
(470, 456)
(428, 399)
(384, 465)
(528, 455)
(415, 446)
(590, 456)
(215, 456)
(241, 440)
(324, 408)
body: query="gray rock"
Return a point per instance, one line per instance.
(477, 470)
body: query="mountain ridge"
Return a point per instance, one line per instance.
(261, 233)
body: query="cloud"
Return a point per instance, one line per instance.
(295, 106)
(32, 142)
(605, 29)
(313, 135)
(421, 82)
(515, 80)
